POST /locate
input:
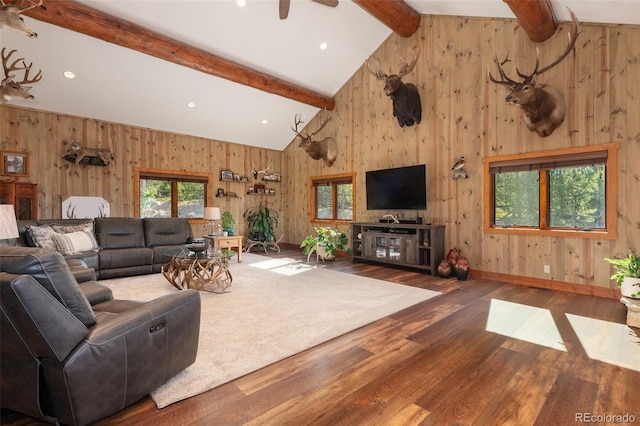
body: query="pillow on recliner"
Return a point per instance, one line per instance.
(52, 272)
(42, 236)
(75, 242)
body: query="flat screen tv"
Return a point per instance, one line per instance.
(401, 188)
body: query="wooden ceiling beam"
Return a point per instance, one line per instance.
(395, 14)
(82, 19)
(536, 18)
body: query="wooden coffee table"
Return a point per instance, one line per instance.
(205, 271)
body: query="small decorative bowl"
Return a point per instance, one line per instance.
(196, 248)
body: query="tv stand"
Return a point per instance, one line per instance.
(413, 245)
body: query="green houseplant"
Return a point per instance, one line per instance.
(627, 274)
(228, 223)
(327, 238)
(262, 222)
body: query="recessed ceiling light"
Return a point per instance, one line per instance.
(69, 74)
(241, 3)
(265, 121)
(323, 46)
(191, 104)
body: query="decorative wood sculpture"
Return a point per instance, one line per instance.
(88, 156)
(407, 107)
(10, 16)
(10, 89)
(320, 252)
(325, 149)
(543, 107)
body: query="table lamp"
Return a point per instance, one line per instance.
(8, 223)
(211, 214)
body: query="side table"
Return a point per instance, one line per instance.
(232, 241)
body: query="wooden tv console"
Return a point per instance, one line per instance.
(413, 245)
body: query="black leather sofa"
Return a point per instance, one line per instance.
(71, 354)
(127, 246)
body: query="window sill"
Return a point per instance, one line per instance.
(578, 233)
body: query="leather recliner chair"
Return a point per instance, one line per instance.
(64, 360)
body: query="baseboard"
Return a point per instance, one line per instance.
(608, 293)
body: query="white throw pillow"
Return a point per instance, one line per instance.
(75, 242)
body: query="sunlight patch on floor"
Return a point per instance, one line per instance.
(606, 341)
(284, 266)
(523, 322)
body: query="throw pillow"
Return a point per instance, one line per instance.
(42, 236)
(66, 229)
(75, 242)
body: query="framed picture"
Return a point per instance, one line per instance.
(259, 188)
(226, 175)
(14, 163)
(236, 178)
(244, 179)
(220, 192)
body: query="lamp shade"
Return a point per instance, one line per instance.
(8, 223)
(212, 213)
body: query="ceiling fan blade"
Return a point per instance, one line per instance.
(330, 3)
(284, 8)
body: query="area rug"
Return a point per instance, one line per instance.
(275, 308)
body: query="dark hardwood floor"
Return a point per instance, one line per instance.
(436, 363)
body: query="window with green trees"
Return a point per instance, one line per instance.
(563, 190)
(167, 194)
(332, 198)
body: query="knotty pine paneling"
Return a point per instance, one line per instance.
(46, 135)
(463, 114)
(466, 114)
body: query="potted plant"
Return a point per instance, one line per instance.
(627, 274)
(228, 223)
(262, 222)
(329, 239)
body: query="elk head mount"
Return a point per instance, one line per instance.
(10, 16)
(325, 149)
(405, 97)
(10, 89)
(542, 106)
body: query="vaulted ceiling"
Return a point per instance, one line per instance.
(142, 62)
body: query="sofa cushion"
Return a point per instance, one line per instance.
(119, 232)
(125, 258)
(52, 272)
(166, 231)
(75, 242)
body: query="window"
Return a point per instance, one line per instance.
(568, 192)
(167, 193)
(332, 198)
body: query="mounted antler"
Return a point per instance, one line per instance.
(10, 16)
(9, 88)
(405, 97)
(257, 173)
(543, 109)
(325, 149)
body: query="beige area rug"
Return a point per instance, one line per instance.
(275, 308)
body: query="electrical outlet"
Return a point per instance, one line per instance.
(547, 269)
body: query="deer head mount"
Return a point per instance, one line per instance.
(543, 107)
(10, 16)
(325, 149)
(10, 89)
(407, 107)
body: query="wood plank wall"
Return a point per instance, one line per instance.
(463, 114)
(45, 136)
